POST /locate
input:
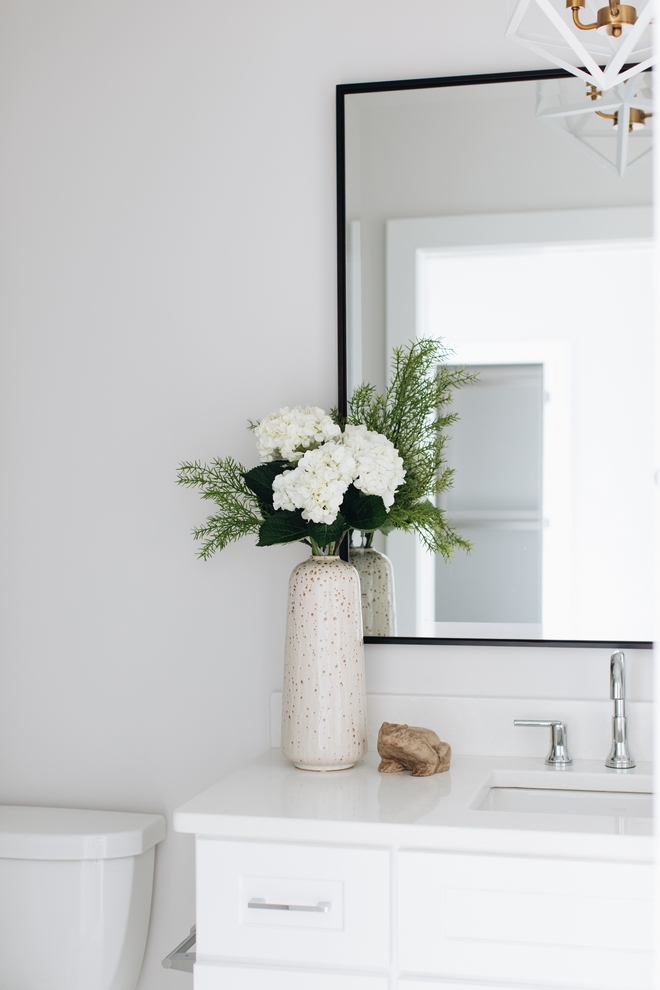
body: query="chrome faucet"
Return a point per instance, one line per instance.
(619, 758)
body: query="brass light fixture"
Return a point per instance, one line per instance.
(613, 19)
(636, 118)
(595, 44)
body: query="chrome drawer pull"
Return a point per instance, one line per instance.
(259, 904)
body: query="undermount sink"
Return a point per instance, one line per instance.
(557, 801)
(619, 796)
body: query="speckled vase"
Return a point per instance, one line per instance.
(324, 711)
(377, 587)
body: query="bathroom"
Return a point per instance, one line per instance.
(157, 159)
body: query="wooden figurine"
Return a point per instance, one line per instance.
(409, 747)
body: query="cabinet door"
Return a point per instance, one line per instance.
(215, 977)
(311, 905)
(537, 921)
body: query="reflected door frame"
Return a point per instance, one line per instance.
(557, 521)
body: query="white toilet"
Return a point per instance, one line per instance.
(75, 897)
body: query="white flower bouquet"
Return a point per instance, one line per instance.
(316, 482)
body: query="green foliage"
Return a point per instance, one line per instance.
(238, 512)
(364, 512)
(413, 414)
(260, 481)
(358, 511)
(282, 527)
(323, 535)
(245, 505)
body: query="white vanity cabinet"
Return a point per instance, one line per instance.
(309, 881)
(525, 920)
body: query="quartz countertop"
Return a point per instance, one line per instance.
(269, 799)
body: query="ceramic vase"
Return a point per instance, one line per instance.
(324, 712)
(377, 591)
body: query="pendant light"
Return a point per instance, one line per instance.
(592, 39)
(613, 128)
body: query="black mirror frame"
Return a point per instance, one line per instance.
(342, 400)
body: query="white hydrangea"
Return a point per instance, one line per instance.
(318, 484)
(286, 434)
(380, 470)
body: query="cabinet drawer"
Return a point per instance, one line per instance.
(286, 903)
(214, 977)
(557, 922)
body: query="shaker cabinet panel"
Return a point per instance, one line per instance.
(215, 977)
(559, 922)
(289, 903)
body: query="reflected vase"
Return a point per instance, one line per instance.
(324, 711)
(377, 591)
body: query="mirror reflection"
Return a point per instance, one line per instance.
(491, 217)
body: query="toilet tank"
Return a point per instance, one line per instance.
(75, 897)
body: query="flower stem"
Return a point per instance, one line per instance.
(319, 551)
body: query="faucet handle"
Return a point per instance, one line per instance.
(559, 755)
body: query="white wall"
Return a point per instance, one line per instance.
(168, 251)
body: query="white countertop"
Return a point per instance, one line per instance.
(269, 799)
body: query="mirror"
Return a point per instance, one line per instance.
(481, 210)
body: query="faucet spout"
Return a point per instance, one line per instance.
(619, 758)
(618, 676)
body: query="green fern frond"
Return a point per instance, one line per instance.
(413, 414)
(222, 482)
